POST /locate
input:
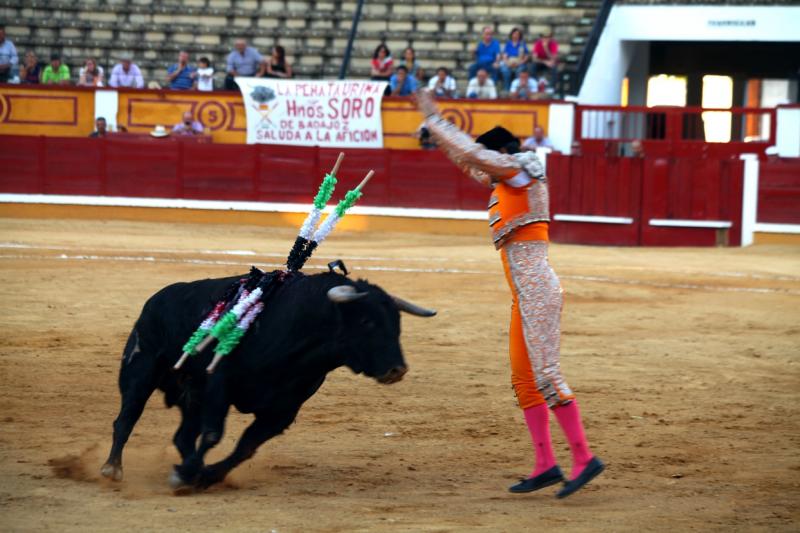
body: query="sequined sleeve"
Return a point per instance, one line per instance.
(480, 163)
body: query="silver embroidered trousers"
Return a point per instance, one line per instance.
(535, 332)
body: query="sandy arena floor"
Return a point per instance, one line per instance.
(686, 363)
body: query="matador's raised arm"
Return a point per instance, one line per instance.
(482, 165)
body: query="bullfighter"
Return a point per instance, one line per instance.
(519, 221)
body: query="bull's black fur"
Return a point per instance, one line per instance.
(298, 338)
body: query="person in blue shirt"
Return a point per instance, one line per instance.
(8, 57)
(515, 57)
(181, 75)
(487, 55)
(401, 84)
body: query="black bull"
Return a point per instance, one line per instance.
(310, 326)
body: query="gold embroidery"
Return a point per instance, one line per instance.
(540, 299)
(539, 200)
(538, 211)
(502, 234)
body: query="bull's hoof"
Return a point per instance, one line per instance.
(112, 472)
(178, 485)
(210, 475)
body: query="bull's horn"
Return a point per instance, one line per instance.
(344, 293)
(413, 309)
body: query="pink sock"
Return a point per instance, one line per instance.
(538, 420)
(569, 418)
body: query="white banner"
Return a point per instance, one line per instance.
(336, 114)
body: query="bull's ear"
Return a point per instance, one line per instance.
(412, 309)
(344, 293)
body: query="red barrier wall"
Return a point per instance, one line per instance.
(694, 189)
(595, 186)
(664, 188)
(691, 189)
(779, 192)
(170, 168)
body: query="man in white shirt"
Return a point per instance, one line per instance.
(537, 140)
(523, 88)
(443, 85)
(481, 86)
(126, 74)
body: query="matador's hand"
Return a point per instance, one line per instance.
(426, 104)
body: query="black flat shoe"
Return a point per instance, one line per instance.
(591, 471)
(545, 479)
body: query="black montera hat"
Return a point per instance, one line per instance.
(497, 138)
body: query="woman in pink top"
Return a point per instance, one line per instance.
(545, 56)
(381, 64)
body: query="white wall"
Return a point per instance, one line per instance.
(626, 23)
(788, 134)
(106, 105)
(560, 124)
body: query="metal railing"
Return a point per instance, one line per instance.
(676, 124)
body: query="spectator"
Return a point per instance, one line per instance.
(99, 127)
(545, 56)
(537, 140)
(242, 61)
(188, 126)
(181, 75)
(443, 85)
(276, 66)
(8, 57)
(487, 55)
(126, 74)
(634, 149)
(481, 86)
(637, 149)
(524, 88)
(381, 64)
(204, 79)
(56, 72)
(91, 74)
(515, 57)
(401, 83)
(30, 71)
(411, 63)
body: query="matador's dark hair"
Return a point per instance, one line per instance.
(499, 138)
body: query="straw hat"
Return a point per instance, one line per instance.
(159, 131)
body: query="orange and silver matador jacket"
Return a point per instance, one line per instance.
(520, 196)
